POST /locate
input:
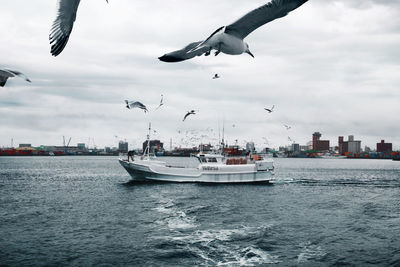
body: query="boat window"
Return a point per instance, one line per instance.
(212, 160)
(203, 159)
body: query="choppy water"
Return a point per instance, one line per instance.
(83, 211)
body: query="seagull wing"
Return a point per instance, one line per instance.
(62, 26)
(143, 107)
(188, 52)
(19, 74)
(4, 75)
(262, 15)
(161, 102)
(187, 114)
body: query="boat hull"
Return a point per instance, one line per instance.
(141, 171)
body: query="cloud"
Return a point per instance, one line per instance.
(330, 66)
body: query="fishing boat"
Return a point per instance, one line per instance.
(211, 168)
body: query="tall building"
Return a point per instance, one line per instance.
(295, 147)
(353, 146)
(383, 147)
(123, 147)
(320, 145)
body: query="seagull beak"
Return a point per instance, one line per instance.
(251, 54)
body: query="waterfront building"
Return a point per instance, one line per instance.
(25, 145)
(81, 146)
(123, 147)
(384, 147)
(319, 145)
(352, 146)
(296, 147)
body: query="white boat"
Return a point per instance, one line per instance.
(212, 168)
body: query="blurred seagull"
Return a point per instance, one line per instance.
(137, 104)
(270, 109)
(62, 25)
(229, 39)
(161, 102)
(216, 76)
(6, 73)
(287, 127)
(192, 112)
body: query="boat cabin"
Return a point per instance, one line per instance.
(210, 158)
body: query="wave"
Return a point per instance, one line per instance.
(310, 252)
(385, 183)
(235, 246)
(177, 218)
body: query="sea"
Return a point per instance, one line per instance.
(85, 211)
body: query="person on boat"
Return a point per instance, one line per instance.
(131, 153)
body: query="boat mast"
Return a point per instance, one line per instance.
(223, 135)
(148, 143)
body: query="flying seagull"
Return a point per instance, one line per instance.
(270, 109)
(216, 76)
(229, 39)
(192, 112)
(6, 73)
(287, 127)
(62, 25)
(137, 104)
(161, 102)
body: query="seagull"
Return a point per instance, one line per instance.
(137, 104)
(216, 76)
(189, 113)
(6, 73)
(229, 39)
(287, 127)
(270, 109)
(62, 25)
(161, 102)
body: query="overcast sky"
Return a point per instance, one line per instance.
(330, 66)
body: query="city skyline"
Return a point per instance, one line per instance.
(330, 66)
(332, 144)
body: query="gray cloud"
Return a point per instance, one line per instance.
(330, 66)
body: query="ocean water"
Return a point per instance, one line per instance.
(83, 211)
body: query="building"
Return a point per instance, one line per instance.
(81, 146)
(319, 145)
(384, 147)
(296, 147)
(352, 146)
(25, 145)
(123, 147)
